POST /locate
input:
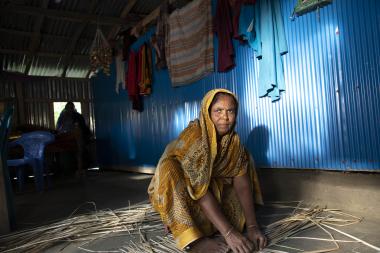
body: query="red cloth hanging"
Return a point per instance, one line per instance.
(224, 31)
(132, 81)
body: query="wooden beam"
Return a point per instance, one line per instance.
(36, 36)
(88, 73)
(74, 41)
(20, 103)
(16, 76)
(150, 18)
(146, 21)
(124, 14)
(49, 100)
(30, 34)
(43, 54)
(68, 15)
(17, 32)
(4, 212)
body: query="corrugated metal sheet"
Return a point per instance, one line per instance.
(14, 63)
(59, 89)
(17, 41)
(19, 34)
(58, 27)
(328, 118)
(7, 89)
(17, 21)
(45, 66)
(39, 93)
(78, 67)
(62, 44)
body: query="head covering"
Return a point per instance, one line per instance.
(209, 133)
(197, 150)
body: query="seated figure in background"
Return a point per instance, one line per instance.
(72, 124)
(69, 119)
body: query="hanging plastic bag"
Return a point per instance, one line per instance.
(100, 54)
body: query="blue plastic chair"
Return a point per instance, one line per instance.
(33, 144)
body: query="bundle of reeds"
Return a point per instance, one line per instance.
(301, 219)
(141, 219)
(85, 227)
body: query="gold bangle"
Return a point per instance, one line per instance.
(228, 232)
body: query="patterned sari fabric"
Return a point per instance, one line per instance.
(193, 164)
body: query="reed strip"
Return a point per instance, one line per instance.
(140, 219)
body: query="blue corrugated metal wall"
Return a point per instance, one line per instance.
(328, 118)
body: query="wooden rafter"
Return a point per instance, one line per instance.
(149, 19)
(146, 21)
(30, 34)
(127, 9)
(69, 15)
(74, 41)
(36, 36)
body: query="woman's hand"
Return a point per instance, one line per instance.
(237, 242)
(256, 237)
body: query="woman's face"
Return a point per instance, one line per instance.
(223, 114)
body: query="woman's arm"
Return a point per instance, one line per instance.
(235, 240)
(244, 193)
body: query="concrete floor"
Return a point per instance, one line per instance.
(119, 189)
(106, 189)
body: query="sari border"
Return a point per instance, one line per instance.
(188, 236)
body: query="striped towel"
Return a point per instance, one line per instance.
(190, 49)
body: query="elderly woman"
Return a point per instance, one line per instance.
(204, 181)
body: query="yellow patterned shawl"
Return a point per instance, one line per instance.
(206, 164)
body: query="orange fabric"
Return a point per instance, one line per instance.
(193, 164)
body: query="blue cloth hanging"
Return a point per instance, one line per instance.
(268, 40)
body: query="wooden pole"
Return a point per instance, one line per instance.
(4, 215)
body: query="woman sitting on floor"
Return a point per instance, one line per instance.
(204, 180)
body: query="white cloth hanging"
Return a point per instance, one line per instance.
(120, 72)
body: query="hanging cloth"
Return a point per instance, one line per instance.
(247, 25)
(267, 38)
(236, 10)
(120, 67)
(120, 72)
(128, 40)
(224, 30)
(132, 82)
(159, 39)
(145, 79)
(190, 50)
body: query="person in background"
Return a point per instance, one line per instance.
(204, 183)
(69, 119)
(71, 124)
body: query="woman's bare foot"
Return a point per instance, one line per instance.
(210, 245)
